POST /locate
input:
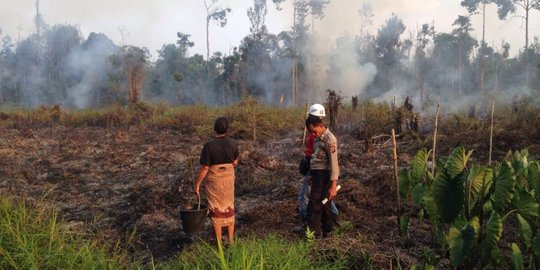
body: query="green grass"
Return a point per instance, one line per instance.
(32, 236)
(35, 239)
(271, 252)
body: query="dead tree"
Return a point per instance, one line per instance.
(333, 101)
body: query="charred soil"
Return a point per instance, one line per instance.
(116, 181)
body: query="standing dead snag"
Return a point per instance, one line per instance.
(406, 114)
(134, 68)
(354, 103)
(333, 101)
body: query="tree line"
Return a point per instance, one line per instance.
(57, 65)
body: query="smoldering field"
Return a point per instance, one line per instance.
(127, 172)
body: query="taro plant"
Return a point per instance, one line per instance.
(472, 202)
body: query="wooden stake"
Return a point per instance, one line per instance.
(434, 163)
(305, 128)
(254, 124)
(491, 132)
(396, 176)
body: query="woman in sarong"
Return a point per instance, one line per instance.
(218, 159)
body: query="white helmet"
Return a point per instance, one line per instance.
(317, 110)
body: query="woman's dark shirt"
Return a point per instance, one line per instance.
(220, 150)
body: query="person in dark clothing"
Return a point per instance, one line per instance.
(218, 159)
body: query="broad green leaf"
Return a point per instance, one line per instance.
(525, 231)
(404, 182)
(430, 207)
(503, 181)
(460, 242)
(480, 178)
(534, 177)
(520, 162)
(516, 261)
(457, 161)
(492, 236)
(475, 223)
(526, 205)
(419, 166)
(449, 195)
(536, 251)
(430, 177)
(418, 193)
(487, 207)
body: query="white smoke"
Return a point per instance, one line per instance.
(91, 64)
(334, 60)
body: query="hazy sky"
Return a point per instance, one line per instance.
(154, 23)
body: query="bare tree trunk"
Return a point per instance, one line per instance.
(527, 68)
(491, 132)
(294, 67)
(434, 141)
(527, 8)
(481, 56)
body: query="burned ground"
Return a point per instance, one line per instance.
(132, 181)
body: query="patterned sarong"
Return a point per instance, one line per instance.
(220, 194)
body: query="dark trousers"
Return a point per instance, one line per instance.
(319, 216)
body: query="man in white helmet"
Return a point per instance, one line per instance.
(324, 174)
(317, 110)
(303, 195)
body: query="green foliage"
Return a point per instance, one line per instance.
(457, 161)
(404, 223)
(493, 234)
(477, 201)
(344, 227)
(33, 238)
(271, 252)
(310, 235)
(503, 181)
(419, 165)
(525, 231)
(535, 254)
(449, 194)
(461, 241)
(516, 259)
(410, 179)
(480, 178)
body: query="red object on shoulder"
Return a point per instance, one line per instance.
(309, 145)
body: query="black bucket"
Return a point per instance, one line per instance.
(193, 219)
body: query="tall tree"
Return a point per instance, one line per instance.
(423, 38)
(366, 17)
(257, 50)
(7, 62)
(317, 10)
(474, 7)
(451, 55)
(216, 14)
(60, 41)
(389, 49)
(126, 79)
(511, 7)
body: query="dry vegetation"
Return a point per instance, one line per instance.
(118, 172)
